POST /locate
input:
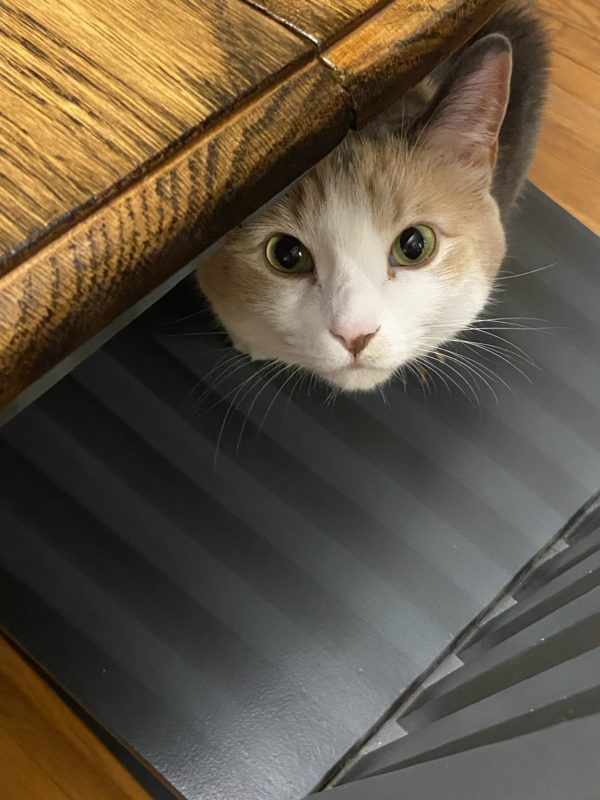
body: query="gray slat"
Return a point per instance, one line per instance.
(582, 577)
(551, 764)
(570, 630)
(569, 689)
(573, 554)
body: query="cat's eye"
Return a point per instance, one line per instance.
(287, 254)
(413, 247)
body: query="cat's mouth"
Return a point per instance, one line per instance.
(358, 378)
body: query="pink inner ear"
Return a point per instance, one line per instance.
(468, 121)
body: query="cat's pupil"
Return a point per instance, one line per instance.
(289, 251)
(412, 243)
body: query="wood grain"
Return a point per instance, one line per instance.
(46, 751)
(567, 163)
(577, 15)
(94, 94)
(399, 45)
(380, 49)
(135, 134)
(77, 284)
(321, 22)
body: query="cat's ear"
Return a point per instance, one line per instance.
(467, 112)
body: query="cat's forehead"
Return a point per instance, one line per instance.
(378, 181)
(358, 184)
(368, 189)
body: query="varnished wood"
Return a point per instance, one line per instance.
(399, 45)
(81, 281)
(135, 134)
(321, 22)
(567, 164)
(93, 94)
(46, 751)
(577, 15)
(381, 48)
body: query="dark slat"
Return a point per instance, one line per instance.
(566, 691)
(574, 582)
(578, 551)
(563, 634)
(549, 764)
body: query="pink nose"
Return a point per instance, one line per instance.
(353, 342)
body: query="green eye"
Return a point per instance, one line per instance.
(287, 254)
(413, 247)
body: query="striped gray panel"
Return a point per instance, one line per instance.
(242, 619)
(549, 764)
(565, 587)
(554, 567)
(542, 685)
(569, 689)
(570, 630)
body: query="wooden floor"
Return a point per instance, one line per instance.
(45, 750)
(567, 166)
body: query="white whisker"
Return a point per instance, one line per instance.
(383, 397)
(512, 275)
(277, 393)
(228, 371)
(476, 369)
(426, 360)
(280, 369)
(232, 405)
(495, 353)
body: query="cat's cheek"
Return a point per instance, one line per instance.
(243, 347)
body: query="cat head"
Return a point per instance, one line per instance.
(388, 248)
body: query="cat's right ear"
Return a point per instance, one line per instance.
(467, 112)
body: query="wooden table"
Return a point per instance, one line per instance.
(134, 134)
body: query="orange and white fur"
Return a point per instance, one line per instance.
(391, 245)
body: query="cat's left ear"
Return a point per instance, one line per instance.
(469, 108)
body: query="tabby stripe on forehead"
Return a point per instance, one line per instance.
(318, 184)
(307, 195)
(298, 201)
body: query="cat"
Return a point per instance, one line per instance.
(391, 245)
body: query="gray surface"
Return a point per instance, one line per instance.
(242, 621)
(563, 561)
(550, 764)
(568, 689)
(569, 631)
(574, 582)
(518, 720)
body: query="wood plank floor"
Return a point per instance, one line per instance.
(45, 750)
(567, 165)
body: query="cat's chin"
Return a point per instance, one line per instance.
(358, 379)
